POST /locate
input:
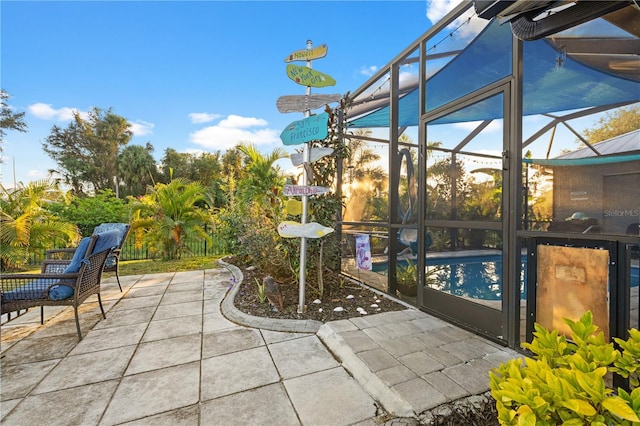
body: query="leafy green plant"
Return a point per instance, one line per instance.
(27, 226)
(565, 382)
(262, 294)
(628, 365)
(89, 212)
(407, 278)
(169, 215)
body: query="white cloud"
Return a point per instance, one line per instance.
(47, 112)
(494, 126)
(436, 9)
(234, 130)
(236, 121)
(203, 117)
(369, 71)
(141, 128)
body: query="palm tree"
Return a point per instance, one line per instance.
(136, 169)
(27, 226)
(262, 181)
(169, 215)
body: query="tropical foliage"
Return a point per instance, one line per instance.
(88, 212)
(27, 225)
(136, 170)
(168, 215)
(565, 382)
(262, 181)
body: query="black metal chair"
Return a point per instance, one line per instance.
(113, 261)
(61, 282)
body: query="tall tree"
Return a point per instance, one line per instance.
(232, 164)
(9, 120)
(618, 122)
(87, 150)
(174, 165)
(137, 169)
(205, 167)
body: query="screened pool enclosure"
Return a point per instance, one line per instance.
(470, 194)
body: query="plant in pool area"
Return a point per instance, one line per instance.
(565, 381)
(407, 278)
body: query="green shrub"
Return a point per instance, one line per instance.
(89, 212)
(565, 382)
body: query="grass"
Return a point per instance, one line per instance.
(150, 266)
(140, 267)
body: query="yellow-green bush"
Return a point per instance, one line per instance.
(564, 384)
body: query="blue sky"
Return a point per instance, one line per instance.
(192, 76)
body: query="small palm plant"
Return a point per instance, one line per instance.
(26, 225)
(169, 215)
(407, 278)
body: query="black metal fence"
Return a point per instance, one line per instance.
(196, 247)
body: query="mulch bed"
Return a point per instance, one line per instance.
(339, 292)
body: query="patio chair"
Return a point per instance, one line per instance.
(61, 282)
(113, 261)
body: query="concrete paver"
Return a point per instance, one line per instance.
(330, 397)
(267, 405)
(175, 351)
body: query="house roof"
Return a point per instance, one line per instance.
(628, 143)
(618, 149)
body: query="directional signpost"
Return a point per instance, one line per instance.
(310, 128)
(306, 76)
(297, 158)
(290, 229)
(302, 103)
(297, 190)
(306, 130)
(308, 54)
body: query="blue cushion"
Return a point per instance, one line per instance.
(36, 290)
(60, 292)
(76, 262)
(107, 240)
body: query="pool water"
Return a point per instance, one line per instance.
(478, 277)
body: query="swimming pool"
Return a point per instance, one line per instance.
(473, 276)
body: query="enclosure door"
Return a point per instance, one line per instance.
(464, 178)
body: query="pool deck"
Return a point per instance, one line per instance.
(174, 350)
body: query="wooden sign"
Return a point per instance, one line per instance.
(298, 190)
(293, 207)
(297, 158)
(290, 229)
(306, 130)
(302, 103)
(308, 54)
(306, 76)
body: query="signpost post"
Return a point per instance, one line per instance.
(302, 132)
